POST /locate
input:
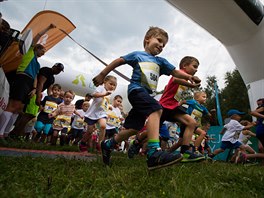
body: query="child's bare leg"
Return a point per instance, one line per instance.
(124, 134)
(256, 155)
(142, 136)
(217, 151)
(190, 124)
(88, 133)
(250, 149)
(153, 125)
(176, 145)
(200, 138)
(54, 137)
(102, 123)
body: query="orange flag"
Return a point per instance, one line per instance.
(12, 57)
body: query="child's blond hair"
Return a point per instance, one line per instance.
(71, 92)
(154, 32)
(197, 94)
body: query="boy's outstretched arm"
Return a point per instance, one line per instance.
(99, 79)
(183, 82)
(180, 74)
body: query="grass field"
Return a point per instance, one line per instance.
(44, 177)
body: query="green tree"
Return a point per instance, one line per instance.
(234, 95)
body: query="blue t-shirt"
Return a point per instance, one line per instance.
(146, 70)
(196, 110)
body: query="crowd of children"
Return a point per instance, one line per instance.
(149, 125)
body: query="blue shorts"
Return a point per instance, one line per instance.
(142, 106)
(228, 145)
(39, 126)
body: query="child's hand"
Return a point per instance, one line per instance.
(196, 80)
(98, 80)
(108, 93)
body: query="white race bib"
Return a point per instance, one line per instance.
(62, 121)
(179, 95)
(50, 107)
(197, 115)
(150, 75)
(105, 103)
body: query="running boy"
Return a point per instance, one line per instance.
(231, 133)
(78, 125)
(173, 112)
(197, 111)
(114, 117)
(147, 67)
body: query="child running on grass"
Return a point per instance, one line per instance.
(78, 125)
(147, 67)
(197, 111)
(231, 133)
(97, 111)
(114, 117)
(173, 112)
(63, 117)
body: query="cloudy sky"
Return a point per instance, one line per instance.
(111, 28)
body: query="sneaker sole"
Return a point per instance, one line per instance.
(193, 160)
(164, 165)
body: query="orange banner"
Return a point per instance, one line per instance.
(12, 57)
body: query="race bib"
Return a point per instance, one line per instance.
(150, 75)
(181, 92)
(50, 107)
(105, 103)
(197, 115)
(113, 120)
(79, 122)
(62, 121)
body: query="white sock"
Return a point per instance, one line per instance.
(11, 123)
(4, 119)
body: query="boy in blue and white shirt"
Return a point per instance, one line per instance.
(231, 133)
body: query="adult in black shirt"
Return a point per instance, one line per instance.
(46, 79)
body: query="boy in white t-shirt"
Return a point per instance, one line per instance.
(78, 125)
(114, 117)
(231, 133)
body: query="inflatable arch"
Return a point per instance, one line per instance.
(239, 26)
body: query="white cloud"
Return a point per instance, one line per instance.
(113, 28)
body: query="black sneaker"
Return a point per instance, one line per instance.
(161, 159)
(133, 149)
(106, 153)
(189, 156)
